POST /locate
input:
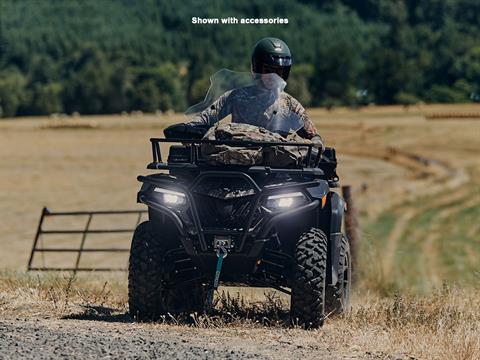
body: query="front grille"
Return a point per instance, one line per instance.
(225, 202)
(229, 214)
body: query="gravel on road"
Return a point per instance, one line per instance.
(80, 339)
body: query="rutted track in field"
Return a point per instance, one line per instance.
(395, 236)
(449, 193)
(426, 241)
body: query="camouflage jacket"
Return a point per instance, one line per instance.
(253, 105)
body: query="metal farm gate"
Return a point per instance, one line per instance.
(80, 237)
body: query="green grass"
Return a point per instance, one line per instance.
(460, 250)
(377, 231)
(456, 246)
(372, 246)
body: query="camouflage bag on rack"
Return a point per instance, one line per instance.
(278, 156)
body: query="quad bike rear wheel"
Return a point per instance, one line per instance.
(338, 296)
(310, 272)
(149, 297)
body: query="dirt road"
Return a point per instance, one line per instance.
(75, 339)
(47, 339)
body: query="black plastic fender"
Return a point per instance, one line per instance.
(319, 191)
(335, 239)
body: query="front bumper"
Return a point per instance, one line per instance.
(251, 237)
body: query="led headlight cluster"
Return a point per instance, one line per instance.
(286, 201)
(170, 197)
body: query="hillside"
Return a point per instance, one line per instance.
(111, 56)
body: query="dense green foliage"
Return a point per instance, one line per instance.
(108, 56)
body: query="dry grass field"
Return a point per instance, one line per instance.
(416, 185)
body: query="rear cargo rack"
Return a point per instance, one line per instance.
(316, 163)
(195, 158)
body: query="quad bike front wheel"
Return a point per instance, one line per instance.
(338, 296)
(310, 272)
(148, 296)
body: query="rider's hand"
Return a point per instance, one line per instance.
(318, 143)
(185, 131)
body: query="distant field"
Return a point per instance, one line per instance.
(416, 183)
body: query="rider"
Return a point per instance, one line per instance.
(270, 56)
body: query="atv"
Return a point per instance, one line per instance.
(256, 225)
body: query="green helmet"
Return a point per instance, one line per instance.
(271, 55)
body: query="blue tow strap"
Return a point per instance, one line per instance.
(216, 279)
(221, 254)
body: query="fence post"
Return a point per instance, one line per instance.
(352, 227)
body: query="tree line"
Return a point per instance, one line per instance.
(98, 57)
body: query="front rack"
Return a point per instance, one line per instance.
(195, 144)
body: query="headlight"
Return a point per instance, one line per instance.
(286, 201)
(170, 197)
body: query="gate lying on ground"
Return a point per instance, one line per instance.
(38, 243)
